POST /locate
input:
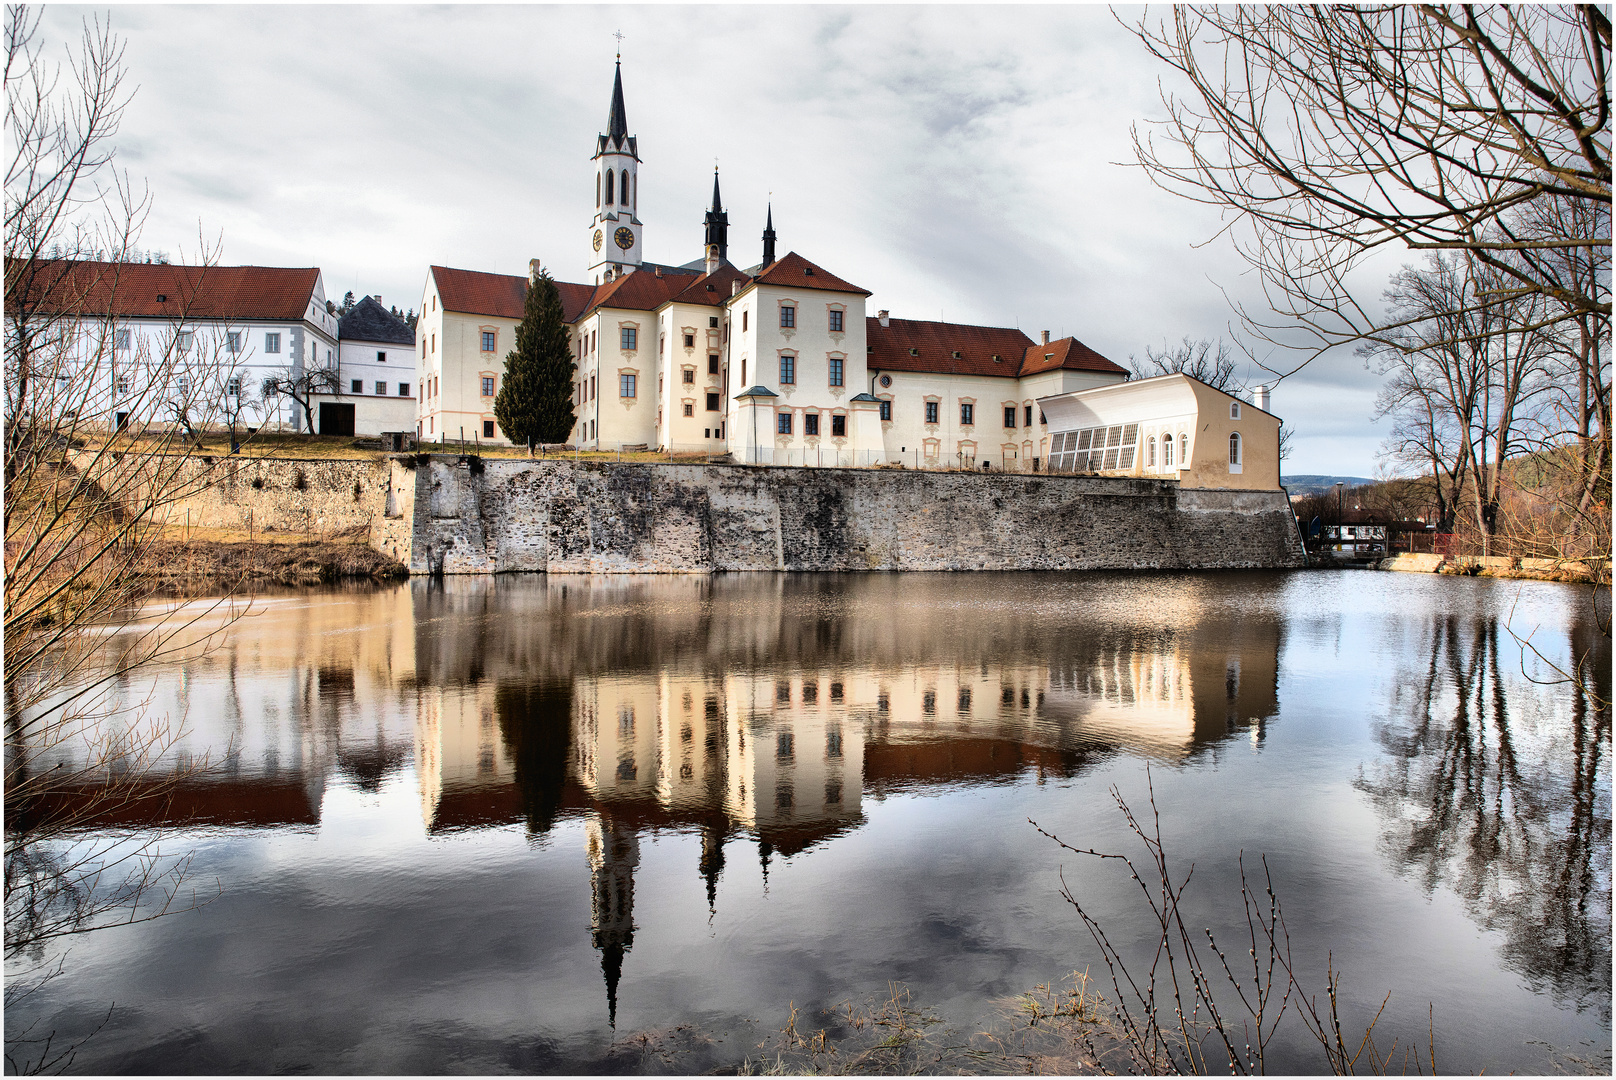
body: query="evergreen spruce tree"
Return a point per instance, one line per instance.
(534, 404)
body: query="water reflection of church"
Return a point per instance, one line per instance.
(755, 727)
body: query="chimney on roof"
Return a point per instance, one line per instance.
(884, 316)
(1045, 335)
(1259, 397)
(532, 272)
(377, 298)
(735, 286)
(658, 271)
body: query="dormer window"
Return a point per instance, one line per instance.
(914, 351)
(957, 354)
(997, 358)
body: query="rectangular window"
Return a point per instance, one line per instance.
(182, 342)
(784, 423)
(689, 376)
(272, 343)
(488, 429)
(836, 371)
(886, 409)
(232, 341)
(123, 384)
(931, 412)
(690, 341)
(120, 339)
(712, 363)
(744, 314)
(690, 408)
(488, 386)
(712, 321)
(184, 387)
(381, 388)
(233, 386)
(967, 414)
(403, 389)
(712, 403)
(788, 369)
(835, 321)
(625, 385)
(788, 317)
(381, 357)
(810, 424)
(358, 386)
(630, 341)
(1028, 422)
(1009, 416)
(838, 426)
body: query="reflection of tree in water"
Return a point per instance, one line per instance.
(1503, 796)
(535, 720)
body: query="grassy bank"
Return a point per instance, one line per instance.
(228, 557)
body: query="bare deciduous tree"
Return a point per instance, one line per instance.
(302, 387)
(87, 478)
(1328, 133)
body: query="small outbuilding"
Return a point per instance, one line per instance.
(1172, 427)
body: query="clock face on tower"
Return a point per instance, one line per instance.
(600, 238)
(624, 237)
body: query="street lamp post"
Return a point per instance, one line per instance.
(1340, 535)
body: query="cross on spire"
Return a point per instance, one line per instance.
(618, 34)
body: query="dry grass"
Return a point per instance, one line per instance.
(287, 560)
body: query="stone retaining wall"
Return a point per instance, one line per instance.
(282, 494)
(470, 516)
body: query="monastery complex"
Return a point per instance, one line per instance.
(782, 363)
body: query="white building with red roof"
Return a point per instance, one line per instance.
(155, 341)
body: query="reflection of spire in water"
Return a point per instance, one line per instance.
(765, 849)
(712, 862)
(614, 852)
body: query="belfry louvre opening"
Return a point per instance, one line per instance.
(1096, 449)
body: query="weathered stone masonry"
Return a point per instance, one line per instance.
(469, 516)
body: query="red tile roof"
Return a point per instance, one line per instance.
(641, 290)
(712, 289)
(1068, 353)
(797, 272)
(911, 345)
(502, 296)
(131, 290)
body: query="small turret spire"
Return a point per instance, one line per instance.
(768, 238)
(717, 230)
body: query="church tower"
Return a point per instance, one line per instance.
(717, 231)
(615, 234)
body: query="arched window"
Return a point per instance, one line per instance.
(597, 190)
(625, 192)
(1184, 449)
(1150, 452)
(1167, 451)
(1234, 448)
(609, 199)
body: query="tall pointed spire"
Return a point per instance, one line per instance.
(617, 122)
(768, 238)
(717, 230)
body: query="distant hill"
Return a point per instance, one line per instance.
(1310, 484)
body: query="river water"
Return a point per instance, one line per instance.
(513, 824)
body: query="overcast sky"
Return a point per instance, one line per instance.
(967, 163)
